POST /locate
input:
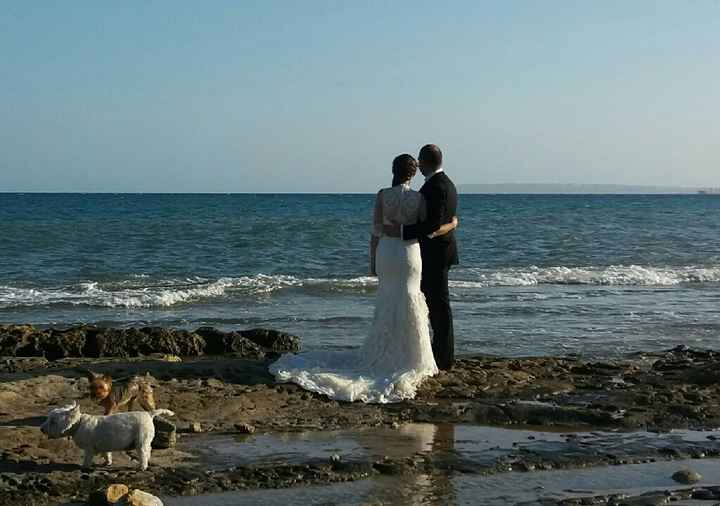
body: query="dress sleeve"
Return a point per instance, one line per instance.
(377, 229)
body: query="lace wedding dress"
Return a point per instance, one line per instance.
(397, 354)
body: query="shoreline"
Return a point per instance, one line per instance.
(228, 394)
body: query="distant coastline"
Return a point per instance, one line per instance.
(577, 189)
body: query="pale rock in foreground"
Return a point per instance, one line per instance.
(140, 498)
(114, 494)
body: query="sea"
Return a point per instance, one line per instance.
(590, 275)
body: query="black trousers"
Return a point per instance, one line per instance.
(435, 287)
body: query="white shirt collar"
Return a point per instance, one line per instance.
(438, 171)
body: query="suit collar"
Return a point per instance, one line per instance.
(438, 171)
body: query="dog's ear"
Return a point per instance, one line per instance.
(106, 378)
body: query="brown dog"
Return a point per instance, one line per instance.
(113, 397)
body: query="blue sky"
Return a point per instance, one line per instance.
(320, 95)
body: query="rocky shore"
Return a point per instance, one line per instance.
(217, 384)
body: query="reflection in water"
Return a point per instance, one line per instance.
(448, 446)
(420, 488)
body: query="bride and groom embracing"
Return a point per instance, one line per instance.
(411, 250)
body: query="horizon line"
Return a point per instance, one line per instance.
(690, 191)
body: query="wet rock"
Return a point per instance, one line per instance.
(391, 467)
(242, 346)
(64, 343)
(219, 342)
(245, 428)
(94, 342)
(687, 476)
(273, 340)
(21, 341)
(195, 427)
(214, 340)
(165, 434)
(706, 494)
(174, 342)
(357, 468)
(654, 499)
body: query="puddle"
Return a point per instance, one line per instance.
(478, 453)
(407, 440)
(497, 490)
(481, 446)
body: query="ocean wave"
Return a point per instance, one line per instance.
(144, 292)
(614, 275)
(100, 295)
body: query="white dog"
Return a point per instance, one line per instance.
(105, 434)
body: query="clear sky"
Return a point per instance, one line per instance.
(242, 96)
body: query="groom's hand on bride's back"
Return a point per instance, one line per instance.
(392, 230)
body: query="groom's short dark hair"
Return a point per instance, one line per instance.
(431, 155)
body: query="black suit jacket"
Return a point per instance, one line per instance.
(441, 200)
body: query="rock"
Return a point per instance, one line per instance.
(65, 343)
(173, 342)
(655, 499)
(116, 492)
(687, 476)
(94, 342)
(169, 344)
(705, 494)
(165, 434)
(165, 357)
(273, 340)
(113, 494)
(195, 427)
(389, 468)
(242, 346)
(245, 428)
(214, 340)
(140, 498)
(214, 383)
(219, 342)
(22, 364)
(21, 341)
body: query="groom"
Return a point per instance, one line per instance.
(439, 253)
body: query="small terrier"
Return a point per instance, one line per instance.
(104, 434)
(113, 397)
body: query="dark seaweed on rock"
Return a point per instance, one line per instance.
(95, 342)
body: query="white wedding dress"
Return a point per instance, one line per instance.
(397, 354)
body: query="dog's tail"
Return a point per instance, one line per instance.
(161, 412)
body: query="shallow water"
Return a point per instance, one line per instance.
(467, 443)
(499, 490)
(472, 448)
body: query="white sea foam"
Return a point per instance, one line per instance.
(614, 275)
(143, 292)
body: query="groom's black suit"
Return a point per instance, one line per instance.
(438, 255)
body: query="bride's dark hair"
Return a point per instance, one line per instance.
(404, 168)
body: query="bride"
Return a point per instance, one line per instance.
(397, 354)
